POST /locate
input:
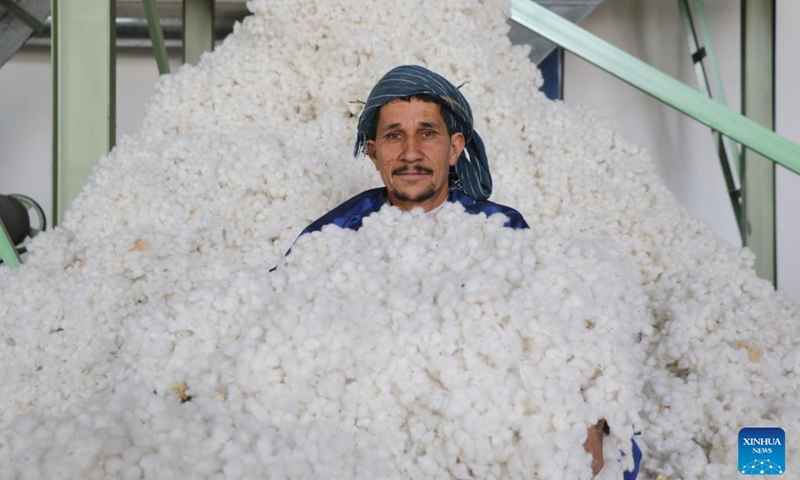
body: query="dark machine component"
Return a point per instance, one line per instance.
(14, 213)
(15, 217)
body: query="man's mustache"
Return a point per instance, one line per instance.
(417, 169)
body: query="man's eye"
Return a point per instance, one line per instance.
(392, 135)
(428, 133)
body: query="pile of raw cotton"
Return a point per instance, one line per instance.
(148, 338)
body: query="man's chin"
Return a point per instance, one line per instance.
(413, 195)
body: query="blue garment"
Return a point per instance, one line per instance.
(472, 167)
(352, 212)
(637, 461)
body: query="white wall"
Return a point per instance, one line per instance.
(787, 123)
(682, 149)
(25, 127)
(648, 29)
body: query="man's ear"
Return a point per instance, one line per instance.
(457, 143)
(371, 152)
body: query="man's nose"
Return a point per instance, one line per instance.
(411, 151)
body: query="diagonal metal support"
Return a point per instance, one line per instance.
(156, 36)
(23, 15)
(14, 31)
(727, 150)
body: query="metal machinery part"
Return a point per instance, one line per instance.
(30, 204)
(15, 218)
(133, 32)
(30, 24)
(573, 10)
(15, 225)
(18, 21)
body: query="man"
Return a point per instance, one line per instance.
(416, 128)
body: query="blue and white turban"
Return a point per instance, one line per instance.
(472, 167)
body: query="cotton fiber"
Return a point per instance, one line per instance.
(147, 337)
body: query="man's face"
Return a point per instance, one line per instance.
(413, 152)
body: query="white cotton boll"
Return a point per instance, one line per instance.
(131, 455)
(114, 466)
(160, 347)
(232, 470)
(131, 472)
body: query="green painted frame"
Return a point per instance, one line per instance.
(8, 253)
(198, 29)
(84, 93)
(758, 103)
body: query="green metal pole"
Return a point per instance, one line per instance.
(716, 77)
(698, 52)
(84, 93)
(8, 254)
(655, 83)
(728, 157)
(156, 36)
(758, 103)
(198, 29)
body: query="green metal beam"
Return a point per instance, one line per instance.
(758, 103)
(156, 36)
(84, 91)
(655, 83)
(8, 254)
(198, 29)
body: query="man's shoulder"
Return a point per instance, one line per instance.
(515, 219)
(351, 213)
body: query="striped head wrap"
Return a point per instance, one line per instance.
(472, 167)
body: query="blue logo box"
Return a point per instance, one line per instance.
(762, 451)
